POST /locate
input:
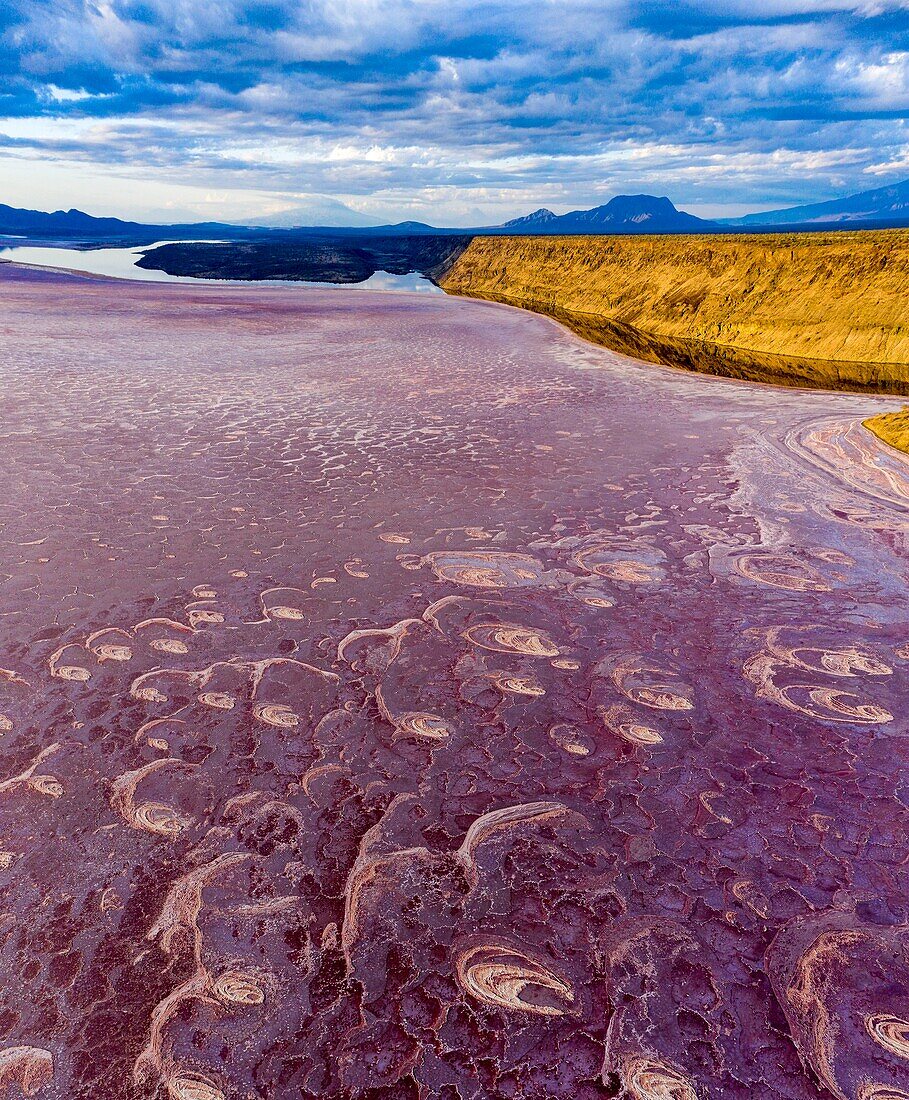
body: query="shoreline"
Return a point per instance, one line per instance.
(703, 357)
(642, 349)
(723, 306)
(891, 428)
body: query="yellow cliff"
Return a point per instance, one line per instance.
(809, 309)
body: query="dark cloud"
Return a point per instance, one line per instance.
(393, 100)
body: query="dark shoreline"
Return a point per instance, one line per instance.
(324, 260)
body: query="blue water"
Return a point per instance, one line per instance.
(120, 263)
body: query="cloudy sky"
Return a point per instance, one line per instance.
(451, 111)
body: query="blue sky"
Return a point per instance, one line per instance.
(450, 111)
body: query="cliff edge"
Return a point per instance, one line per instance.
(822, 310)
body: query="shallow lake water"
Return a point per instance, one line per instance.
(401, 698)
(120, 263)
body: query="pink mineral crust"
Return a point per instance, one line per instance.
(401, 698)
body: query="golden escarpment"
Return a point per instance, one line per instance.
(799, 309)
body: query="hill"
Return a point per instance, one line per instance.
(623, 214)
(77, 225)
(883, 204)
(626, 214)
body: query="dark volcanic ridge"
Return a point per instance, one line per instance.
(329, 261)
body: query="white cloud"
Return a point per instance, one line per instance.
(446, 107)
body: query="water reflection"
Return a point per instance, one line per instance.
(120, 263)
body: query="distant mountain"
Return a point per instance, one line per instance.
(623, 214)
(537, 218)
(318, 210)
(77, 225)
(414, 227)
(883, 204)
(13, 220)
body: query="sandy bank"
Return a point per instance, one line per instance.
(892, 428)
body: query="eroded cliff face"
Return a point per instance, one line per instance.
(823, 310)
